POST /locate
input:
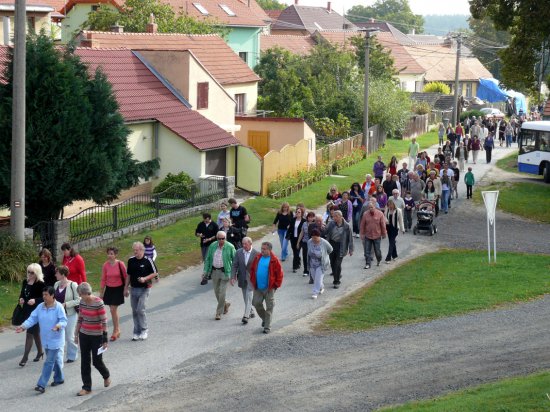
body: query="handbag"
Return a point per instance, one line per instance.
(18, 316)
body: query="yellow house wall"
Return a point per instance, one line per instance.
(75, 17)
(281, 133)
(176, 155)
(41, 21)
(249, 170)
(140, 141)
(251, 91)
(230, 154)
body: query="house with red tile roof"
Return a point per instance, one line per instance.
(162, 122)
(40, 15)
(210, 51)
(300, 45)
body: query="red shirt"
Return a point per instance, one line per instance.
(112, 275)
(77, 269)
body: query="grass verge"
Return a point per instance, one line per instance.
(440, 284)
(509, 163)
(522, 199)
(178, 247)
(523, 394)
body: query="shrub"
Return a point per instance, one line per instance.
(15, 256)
(437, 87)
(179, 185)
(471, 113)
(421, 108)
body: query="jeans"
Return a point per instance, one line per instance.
(445, 200)
(71, 347)
(468, 191)
(220, 286)
(258, 302)
(247, 297)
(356, 221)
(54, 361)
(368, 245)
(284, 243)
(408, 218)
(318, 276)
(139, 298)
(488, 153)
(509, 141)
(336, 262)
(89, 344)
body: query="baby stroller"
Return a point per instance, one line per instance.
(425, 217)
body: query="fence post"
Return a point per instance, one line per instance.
(61, 234)
(157, 206)
(225, 187)
(115, 218)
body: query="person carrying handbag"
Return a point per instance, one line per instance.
(66, 294)
(113, 287)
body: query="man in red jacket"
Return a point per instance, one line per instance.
(266, 276)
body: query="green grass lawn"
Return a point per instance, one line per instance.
(442, 284)
(524, 394)
(528, 200)
(177, 246)
(509, 163)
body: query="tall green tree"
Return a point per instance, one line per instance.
(381, 63)
(76, 146)
(271, 4)
(135, 14)
(396, 12)
(528, 23)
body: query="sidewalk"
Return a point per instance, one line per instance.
(182, 325)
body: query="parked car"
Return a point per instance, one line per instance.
(493, 113)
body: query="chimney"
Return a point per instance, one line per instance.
(413, 31)
(372, 20)
(329, 9)
(152, 27)
(117, 28)
(295, 2)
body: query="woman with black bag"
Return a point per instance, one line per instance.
(30, 297)
(113, 287)
(292, 235)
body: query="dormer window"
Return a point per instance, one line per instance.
(201, 8)
(227, 10)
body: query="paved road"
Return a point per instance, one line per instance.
(190, 358)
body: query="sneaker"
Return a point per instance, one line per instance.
(311, 282)
(40, 389)
(387, 262)
(305, 274)
(226, 307)
(218, 317)
(252, 315)
(322, 291)
(135, 337)
(367, 266)
(143, 335)
(336, 286)
(244, 320)
(107, 382)
(314, 296)
(378, 263)
(395, 258)
(267, 330)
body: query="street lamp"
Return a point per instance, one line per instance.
(368, 32)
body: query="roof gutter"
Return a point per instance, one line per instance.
(36, 9)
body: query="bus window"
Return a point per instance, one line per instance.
(544, 141)
(528, 141)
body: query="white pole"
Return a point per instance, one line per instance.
(488, 239)
(495, 240)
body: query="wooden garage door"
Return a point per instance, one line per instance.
(259, 141)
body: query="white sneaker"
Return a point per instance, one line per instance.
(387, 262)
(313, 296)
(143, 335)
(135, 337)
(322, 291)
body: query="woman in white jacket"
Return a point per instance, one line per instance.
(318, 251)
(66, 294)
(394, 224)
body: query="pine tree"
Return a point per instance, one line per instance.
(75, 139)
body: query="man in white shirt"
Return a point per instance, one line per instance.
(240, 273)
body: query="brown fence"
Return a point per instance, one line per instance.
(345, 147)
(289, 159)
(417, 125)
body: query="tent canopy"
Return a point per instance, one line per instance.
(489, 90)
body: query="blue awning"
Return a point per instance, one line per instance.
(490, 91)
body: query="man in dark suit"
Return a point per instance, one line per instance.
(240, 273)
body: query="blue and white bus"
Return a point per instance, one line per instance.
(534, 149)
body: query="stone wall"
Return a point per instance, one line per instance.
(61, 227)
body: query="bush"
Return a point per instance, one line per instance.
(437, 87)
(471, 113)
(179, 184)
(421, 108)
(15, 256)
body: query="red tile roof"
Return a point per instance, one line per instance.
(310, 18)
(243, 15)
(273, 14)
(214, 53)
(404, 62)
(142, 96)
(300, 45)
(67, 5)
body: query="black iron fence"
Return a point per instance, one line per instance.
(98, 220)
(43, 236)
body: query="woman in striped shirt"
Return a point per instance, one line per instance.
(91, 331)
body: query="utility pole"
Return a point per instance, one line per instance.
(17, 204)
(541, 70)
(456, 114)
(368, 33)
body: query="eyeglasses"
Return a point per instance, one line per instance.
(221, 238)
(30, 272)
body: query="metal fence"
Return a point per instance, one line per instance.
(98, 220)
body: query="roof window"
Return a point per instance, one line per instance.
(227, 10)
(201, 8)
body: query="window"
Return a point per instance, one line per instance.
(244, 56)
(95, 7)
(544, 141)
(216, 162)
(202, 95)
(468, 89)
(228, 10)
(201, 8)
(240, 108)
(527, 141)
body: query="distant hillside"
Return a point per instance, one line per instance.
(442, 24)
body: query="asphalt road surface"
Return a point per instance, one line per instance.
(192, 362)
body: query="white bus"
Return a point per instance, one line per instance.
(534, 149)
